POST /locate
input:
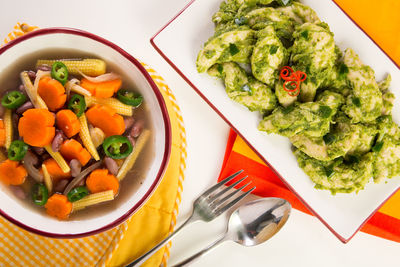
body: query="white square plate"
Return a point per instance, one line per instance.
(344, 214)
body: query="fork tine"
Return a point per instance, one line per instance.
(230, 204)
(221, 201)
(213, 188)
(214, 197)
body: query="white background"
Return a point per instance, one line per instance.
(304, 241)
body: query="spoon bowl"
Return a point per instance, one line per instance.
(251, 224)
(257, 221)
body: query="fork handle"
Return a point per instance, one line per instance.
(139, 261)
(192, 258)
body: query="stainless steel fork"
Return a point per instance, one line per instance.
(208, 206)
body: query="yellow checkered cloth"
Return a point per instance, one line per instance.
(124, 243)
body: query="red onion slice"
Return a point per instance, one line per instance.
(81, 176)
(39, 75)
(29, 161)
(101, 78)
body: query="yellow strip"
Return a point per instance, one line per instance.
(241, 147)
(392, 206)
(163, 86)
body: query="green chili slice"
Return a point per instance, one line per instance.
(77, 193)
(130, 98)
(117, 147)
(40, 194)
(17, 150)
(59, 72)
(77, 104)
(13, 99)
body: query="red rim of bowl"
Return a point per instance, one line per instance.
(340, 237)
(164, 112)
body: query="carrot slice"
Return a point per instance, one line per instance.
(102, 89)
(52, 92)
(12, 173)
(101, 180)
(56, 173)
(36, 127)
(72, 149)
(106, 119)
(68, 122)
(2, 133)
(58, 206)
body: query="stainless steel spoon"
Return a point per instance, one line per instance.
(251, 224)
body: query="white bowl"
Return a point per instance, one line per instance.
(39, 222)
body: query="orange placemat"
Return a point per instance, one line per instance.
(384, 223)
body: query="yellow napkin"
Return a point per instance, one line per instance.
(119, 245)
(158, 216)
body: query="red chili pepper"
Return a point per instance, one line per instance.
(286, 73)
(295, 92)
(301, 75)
(292, 79)
(293, 86)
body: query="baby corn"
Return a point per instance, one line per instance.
(36, 100)
(130, 160)
(91, 67)
(8, 127)
(86, 139)
(58, 158)
(93, 199)
(114, 103)
(47, 179)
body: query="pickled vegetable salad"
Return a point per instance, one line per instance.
(338, 119)
(76, 139)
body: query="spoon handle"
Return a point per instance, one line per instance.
(192, 258)
(139, 261)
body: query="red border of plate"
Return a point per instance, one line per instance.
(341, 238)
(164, 111)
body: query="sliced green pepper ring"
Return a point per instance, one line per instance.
(13, 99)
(59, 72)
(77, 193)
(17, 150)
(77, 104)
(40, 194)
(117, 147)
(130, 98)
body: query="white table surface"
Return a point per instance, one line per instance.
(304, 241)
